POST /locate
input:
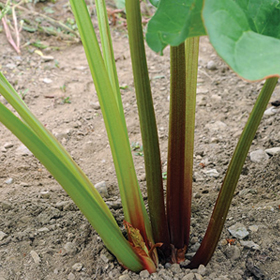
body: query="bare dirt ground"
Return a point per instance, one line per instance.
(42, 233)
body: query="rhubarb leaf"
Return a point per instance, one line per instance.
(174, 22)
(246, 34)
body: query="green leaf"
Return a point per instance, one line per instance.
(174, 22)
(246, 34)
(263, 16)
(38, 44)
(155, 3)
(29, 28)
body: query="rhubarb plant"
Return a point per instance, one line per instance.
(245, 33)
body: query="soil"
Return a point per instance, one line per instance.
(43, 235)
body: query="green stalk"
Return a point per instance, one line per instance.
(176, 201)
(212, 235)
(147, 123)
(192, 51)
(132, 201)
(108, 52)
(85, 196)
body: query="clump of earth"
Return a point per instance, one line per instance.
(43, 235)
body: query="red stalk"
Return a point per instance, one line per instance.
(176, 199)
(184, 63)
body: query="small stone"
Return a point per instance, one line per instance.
(165, 274)
(8, 145)
(71, 276)
(259, 156)
(11, 66)
(271, 111)
(253, 228)
(24, 184)
(70, 206)
(44, 194)
(47, 81)
(197, 177)
(267, 207)
(250, 245)
(238, 231)
(216, 97)
(198, 276)
(215, 140)
(237, 134)
(167, 265)
(244, 192)
(144, 274)
(77, 267)
(213, 276)
(212, 173)
(23, 151)
(9, 181)
(142, 177)
(70, 248)
(60, 134)
(189, 255)
(218, 125)
(273, 151)
(61, 205)
(223, 242)
(189, 276)
(202, 270)
(197, 195)
(114, 204)
(81, 68)
(47, 58)
(102, 188)
(195, 247)
(6, 205)
(113, 274)
(35, 257)
(43, 229)
(95, 105)
(175, 268)
(232, 252)
(125, 277)
(106, 256)
(211, 65)
(2, 235)
(202, 90)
